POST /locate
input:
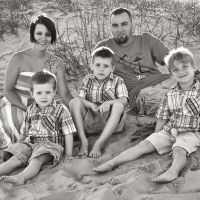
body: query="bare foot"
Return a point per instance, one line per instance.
(96, 151)
(168, 176)
(2, 178)
(106, 167)
(83, 151)
(15, 180)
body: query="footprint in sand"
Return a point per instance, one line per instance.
(178, 181)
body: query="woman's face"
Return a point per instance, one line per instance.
(42, 36)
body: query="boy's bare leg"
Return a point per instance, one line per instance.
(8, 166)
(30, 171)
(179, 162)
(130, 154)
(112, 123)
(78, 112)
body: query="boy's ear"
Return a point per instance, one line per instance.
(113, 68)
(32, 94)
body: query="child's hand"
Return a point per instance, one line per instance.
(104, 107)
(68, 158)
(93, 107)
(174, 132)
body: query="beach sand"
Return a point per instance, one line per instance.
(129, 181)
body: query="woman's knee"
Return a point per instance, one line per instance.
(118, 107)
(75, 103)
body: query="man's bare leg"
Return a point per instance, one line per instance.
(30, 171)
(130, 154)
(112, 123)
(179, 162)
(78, 112)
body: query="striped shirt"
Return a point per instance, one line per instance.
(112, 88)
(182, 108)
(49, 124)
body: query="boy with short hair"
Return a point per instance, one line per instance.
(99, 107)
(178, 117)
(49, 127)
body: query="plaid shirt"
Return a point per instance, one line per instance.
(49, 124)
(182, 108)
(112, 88)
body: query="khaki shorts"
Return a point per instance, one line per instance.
(25, 152)
(163, 142)
(94, 122)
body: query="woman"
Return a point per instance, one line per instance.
(21, 67)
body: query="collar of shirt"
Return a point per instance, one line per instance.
(195, 85)
(53, 104)
(111, 76)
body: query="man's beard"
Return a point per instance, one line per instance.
(122, 40)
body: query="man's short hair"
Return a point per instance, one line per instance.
(120, 10)
(43, 77)
(180, 54)
(103, 52)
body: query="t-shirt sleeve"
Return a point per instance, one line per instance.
(163, 109)
(158, 48)
(68, 126)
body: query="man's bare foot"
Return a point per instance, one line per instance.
(166, 177)
(83, 151)
(15, 180)
(106, 167)
(96, 151)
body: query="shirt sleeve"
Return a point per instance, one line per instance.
(24, 130)
(121, 90)
(83, 87)
(163, 109)
(68, 126)
(159, 50)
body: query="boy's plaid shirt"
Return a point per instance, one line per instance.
(49, 124)
(182, 108)
(112, 88)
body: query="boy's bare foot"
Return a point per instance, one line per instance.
(83, 151)
(15, 180)
(96, 151)
(168, 176)
(106, 167)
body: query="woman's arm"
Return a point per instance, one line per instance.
(11, 75)
(63, 89)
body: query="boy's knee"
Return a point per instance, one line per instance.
(180, 151)
(118, 107)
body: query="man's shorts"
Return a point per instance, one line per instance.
(25, 152)
(163, 142)
(94, 122)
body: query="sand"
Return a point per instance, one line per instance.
(77, 181)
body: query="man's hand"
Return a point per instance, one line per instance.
(104, 107)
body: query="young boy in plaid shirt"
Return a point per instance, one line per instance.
(49, 127)
(99, 107)
(177, 128)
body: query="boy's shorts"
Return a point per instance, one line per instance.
(163, 142)
(25, 152)
(94, 122)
